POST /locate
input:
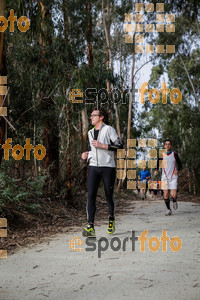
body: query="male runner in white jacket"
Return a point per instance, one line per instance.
(103, 142)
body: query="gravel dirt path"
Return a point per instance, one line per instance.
(51, 270)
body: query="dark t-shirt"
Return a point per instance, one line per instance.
(96, 133)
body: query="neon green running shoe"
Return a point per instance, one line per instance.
(111, 227)
(89, 231)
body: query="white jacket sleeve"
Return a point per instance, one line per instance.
(113, 135)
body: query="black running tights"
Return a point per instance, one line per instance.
(94, 177)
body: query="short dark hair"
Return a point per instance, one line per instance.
(103, 112)
(167, 140)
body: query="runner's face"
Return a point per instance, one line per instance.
(95, 118)
(144, 169)
(167, 145)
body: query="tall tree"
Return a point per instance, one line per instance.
(50, 123)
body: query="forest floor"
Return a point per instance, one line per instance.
(54, 216)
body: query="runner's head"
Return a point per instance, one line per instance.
(144, 168)
(167, 144)
(99, 115)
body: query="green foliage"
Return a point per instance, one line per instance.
(36, 185)
(51, 58)
(17, 192)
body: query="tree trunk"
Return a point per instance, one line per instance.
(69, 167)
(51, 132)
(186, 142)
(110, 65)
(120, 182)
(120, 70)
(107, 50)
(107, 34)
(191, 83)
(51, 135)
(89, 34)
(69, 140)
(84, 118)
(84, 122)
(35, 160)
(194, 183)
(189, 180)
(130, 107)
